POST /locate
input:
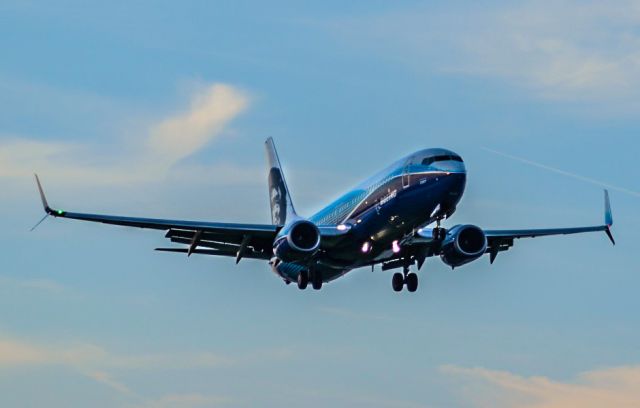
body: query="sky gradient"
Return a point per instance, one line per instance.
(161, 109)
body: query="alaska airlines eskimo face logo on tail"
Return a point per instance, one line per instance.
(278, 196)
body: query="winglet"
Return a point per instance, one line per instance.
(45, 204)
(608, 217)
(47, 209)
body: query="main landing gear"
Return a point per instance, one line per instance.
(303, 279)
(305, 276)
(405, 278)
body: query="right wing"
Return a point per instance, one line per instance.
(226, 239)
(223, 239)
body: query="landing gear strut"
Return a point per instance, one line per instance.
(439, 233)
(405, 278)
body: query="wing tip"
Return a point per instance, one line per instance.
(608, 215)
(43, 197)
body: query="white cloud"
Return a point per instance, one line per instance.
(187, 401)
(563, 50)
(610, 387)
(350, 314)
(167, 142)
(95, 362)
(106, 379)
(42, 284)
(84, 356)
(181, 135)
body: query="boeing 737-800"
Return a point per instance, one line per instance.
(392, 219)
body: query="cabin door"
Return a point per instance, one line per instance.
(406, 175)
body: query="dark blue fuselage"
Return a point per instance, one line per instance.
(409, 194)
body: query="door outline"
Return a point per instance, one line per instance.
(406, 176)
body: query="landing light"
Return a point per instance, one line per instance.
(366, 247)
(395, 247)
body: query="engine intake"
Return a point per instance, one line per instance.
(463, 244)
(300, 240)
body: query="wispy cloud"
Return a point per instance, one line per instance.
(610, 387)
(98, 363)
(41, 284)
(187, 401)
(166, 142)
(86, 355)
(350, 314)
(106, 379)
(565, 173)
(563, 50)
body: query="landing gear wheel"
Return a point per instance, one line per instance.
(412, 282)
(316, 280)
(397, 281)
(303, 279)
(439, 234)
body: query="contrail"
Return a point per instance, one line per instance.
(566, 173)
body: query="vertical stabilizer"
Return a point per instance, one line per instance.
(280, 199)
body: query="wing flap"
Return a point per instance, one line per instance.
(218, 252)
(532, 233)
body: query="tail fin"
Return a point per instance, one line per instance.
(281, 204)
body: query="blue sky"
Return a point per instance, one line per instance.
(161, 109)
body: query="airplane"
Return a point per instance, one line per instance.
(392, 219)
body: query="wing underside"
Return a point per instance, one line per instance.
(421, 245)
(224, 239)
(206, 238)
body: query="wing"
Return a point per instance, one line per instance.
(223, 239)
(226, 239)
(502, 240)
(416, 247)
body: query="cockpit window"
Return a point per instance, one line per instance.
(443, 157)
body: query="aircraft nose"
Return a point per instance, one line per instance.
(456, 182)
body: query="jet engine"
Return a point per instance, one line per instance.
(463, 244)
(299, 241)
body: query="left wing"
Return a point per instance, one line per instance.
(502, 240)
(421, 244)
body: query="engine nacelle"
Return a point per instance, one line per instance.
(463, 244)
(300, 241)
